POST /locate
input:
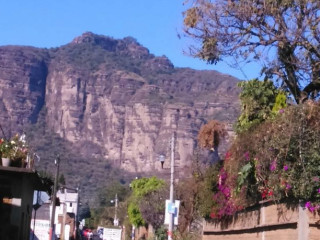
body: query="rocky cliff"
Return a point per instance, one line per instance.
(112, 99)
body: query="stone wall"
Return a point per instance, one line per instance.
(266, 221)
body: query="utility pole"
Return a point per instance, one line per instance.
(53, 210)
(132, 232)
(171, 203)
(116, 221)
(77, 213)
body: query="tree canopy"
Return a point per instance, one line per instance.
(140, 208)
(211, 134)
(282, 35)
(260, 100)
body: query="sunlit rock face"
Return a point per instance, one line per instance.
(23, 72)
(113, 100)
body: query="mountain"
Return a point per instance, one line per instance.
(110, 99)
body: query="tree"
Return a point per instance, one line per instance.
(284, 35)
(84, 211)
(259, 101)
(106, 195)
(152, 207)
(211, 134)
(105, 203)
(62, 180)
(146, 204)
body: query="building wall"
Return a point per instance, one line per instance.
(69, 208)
(40, 229)
(16, 206)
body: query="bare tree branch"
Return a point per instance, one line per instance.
(287, 30)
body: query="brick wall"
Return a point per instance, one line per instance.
(266, 221)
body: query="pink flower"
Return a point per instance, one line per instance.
(285, 167)
(281, 111)
(288, 186)
(319, 190)
(307, 205)
(310, 207)
(315, 179)
(246, 156)
(273, 166)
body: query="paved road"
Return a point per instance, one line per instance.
(95, 237)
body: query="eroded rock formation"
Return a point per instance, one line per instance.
(113, 99)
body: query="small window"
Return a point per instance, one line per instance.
(71, 204)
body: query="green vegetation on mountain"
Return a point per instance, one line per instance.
(85, 172)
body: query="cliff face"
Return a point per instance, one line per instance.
(23, 72)
(113, 99)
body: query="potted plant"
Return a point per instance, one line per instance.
(14, 152)
(19, 151)
(5, 151)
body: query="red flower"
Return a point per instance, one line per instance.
(213, 215)
(266, 193)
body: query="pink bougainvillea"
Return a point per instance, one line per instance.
(273, 165)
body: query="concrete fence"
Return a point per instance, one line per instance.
(266, 221)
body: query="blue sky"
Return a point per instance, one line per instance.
(155, 24)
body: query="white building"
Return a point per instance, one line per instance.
(65, 216)
(66, 213)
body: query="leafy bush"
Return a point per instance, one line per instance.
(208, 186)
(134, 215)
(278, 160)
(275, 155)
(259, 101)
